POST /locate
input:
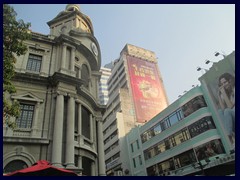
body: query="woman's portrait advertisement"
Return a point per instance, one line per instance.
(220, 81)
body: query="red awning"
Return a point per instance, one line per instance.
(42, 168)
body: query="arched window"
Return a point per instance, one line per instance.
(14, 166)
(85, 75)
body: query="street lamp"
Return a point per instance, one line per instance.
(214, 64)
(208, 61)
(218, 53)
(200, 69)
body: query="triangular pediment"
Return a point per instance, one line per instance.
(27, 97)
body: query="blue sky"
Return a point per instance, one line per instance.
(182, 36)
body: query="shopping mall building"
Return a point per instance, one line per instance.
(195, 135)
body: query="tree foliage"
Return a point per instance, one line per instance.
(14, 34)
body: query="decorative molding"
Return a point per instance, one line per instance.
(27, 97)
(61, 93)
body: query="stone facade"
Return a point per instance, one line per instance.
(57, 84)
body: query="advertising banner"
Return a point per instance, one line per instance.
(220, 82)
(147, 90)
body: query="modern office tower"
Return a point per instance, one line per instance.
(136, 95)
(195, 135)
(57, 87)
(103, 87)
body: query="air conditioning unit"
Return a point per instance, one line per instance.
(119, 173)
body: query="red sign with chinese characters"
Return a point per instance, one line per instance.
(147, 90)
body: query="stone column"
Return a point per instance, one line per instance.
(94, 134)
(58, 132)
(101, 165)
(93, 169)
(35, 120)
(70, 133)
(80, 162)
(79, 119)
(91, 127)
(72, 61)
(64, 55)
(43, 70)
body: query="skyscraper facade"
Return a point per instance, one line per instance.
(136, 94)
(103, 86)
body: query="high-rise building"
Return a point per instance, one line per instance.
(103, 87)
(136, 94)
(57, 87)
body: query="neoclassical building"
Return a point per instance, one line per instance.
(57, 87)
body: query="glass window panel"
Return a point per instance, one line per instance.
(137, 144)
(157, 150)
(173, 119)
(172, 142)
(199, 127)
(140, 159)
(26, 117)
(151, 171)
(34, 63)
(14, 166)
(152, 153)
(167, 144)
(29, 64)
(163, 124)
(162, 147)
(157, 129)
(180, 114)
(132, 147)
(186, 134)
(185, 158)
(179, 138)
(134, 162)
(38, 66)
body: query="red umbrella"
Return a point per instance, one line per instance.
(42, 168)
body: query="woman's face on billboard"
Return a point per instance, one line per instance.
(224, 83)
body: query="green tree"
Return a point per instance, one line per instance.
(14, 34)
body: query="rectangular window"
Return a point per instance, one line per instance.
(179, 138)
(140, 159)
(157, 129)
(134, 163)
(34, 63)
(144, 137)
(200, 126)
(173, 118)
(137, 144)
(132, 147)
(26, 117)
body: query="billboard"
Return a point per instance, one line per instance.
(147, 89)
(220, 82)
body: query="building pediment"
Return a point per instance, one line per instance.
(27, 97)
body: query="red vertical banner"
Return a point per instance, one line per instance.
(147, 90)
